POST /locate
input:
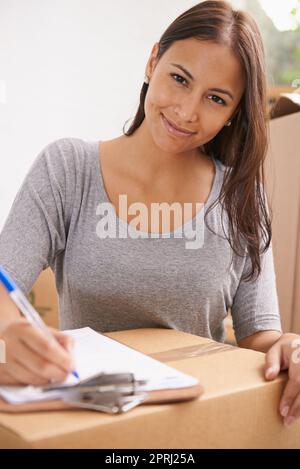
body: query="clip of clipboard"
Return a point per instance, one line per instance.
(113, 393)
(116, 393)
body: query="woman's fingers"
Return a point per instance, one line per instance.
(289, 403)
(50, 350)
(294, 411)
(33, 358)
(5, 377)
(33, 363)
(22, 375)
(63, 339)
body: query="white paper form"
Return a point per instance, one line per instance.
(95, 353)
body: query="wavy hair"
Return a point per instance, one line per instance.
(242, 147)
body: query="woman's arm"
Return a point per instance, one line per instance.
(33, 235)
(260, 341)
(255, 308)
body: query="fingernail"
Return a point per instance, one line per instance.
(289, 420)
(269, 372)
(285, 411)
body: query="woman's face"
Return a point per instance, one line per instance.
(202, 105)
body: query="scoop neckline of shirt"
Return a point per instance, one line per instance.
(128, 227)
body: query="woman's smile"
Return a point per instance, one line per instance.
(171, 129)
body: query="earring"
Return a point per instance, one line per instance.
(146, 80)
(228, 124)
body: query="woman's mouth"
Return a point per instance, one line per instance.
(173, 130)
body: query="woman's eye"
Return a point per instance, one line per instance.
(174, 75)
(220, 100)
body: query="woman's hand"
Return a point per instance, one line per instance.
(285, 355)
(31, 358)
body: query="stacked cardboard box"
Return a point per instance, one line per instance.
(283, 189)
(44, 298)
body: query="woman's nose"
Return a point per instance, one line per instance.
(189, 110)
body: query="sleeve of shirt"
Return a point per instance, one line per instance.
(255, 305)
(36, 227)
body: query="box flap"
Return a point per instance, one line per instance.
(287, 103)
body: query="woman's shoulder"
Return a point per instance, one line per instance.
(69, 147)
(62, 163)
(66, 155)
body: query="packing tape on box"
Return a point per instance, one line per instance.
(192, 351)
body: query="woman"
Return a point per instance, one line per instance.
(206, 78)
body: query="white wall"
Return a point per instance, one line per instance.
(72, 68)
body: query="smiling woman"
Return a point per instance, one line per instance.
(220, 100)
(199, 136)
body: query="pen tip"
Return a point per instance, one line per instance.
(74, 373)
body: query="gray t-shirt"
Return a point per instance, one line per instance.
(119, 283)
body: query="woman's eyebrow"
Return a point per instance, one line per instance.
(220, 90)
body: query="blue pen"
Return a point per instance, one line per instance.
(25, 307)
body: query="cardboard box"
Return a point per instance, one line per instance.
(238, 409)
(283, 190)
(43, 296)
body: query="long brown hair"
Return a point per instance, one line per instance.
(241, 147)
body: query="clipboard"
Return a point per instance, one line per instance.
(111, 392)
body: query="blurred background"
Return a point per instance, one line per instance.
(73, 68)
